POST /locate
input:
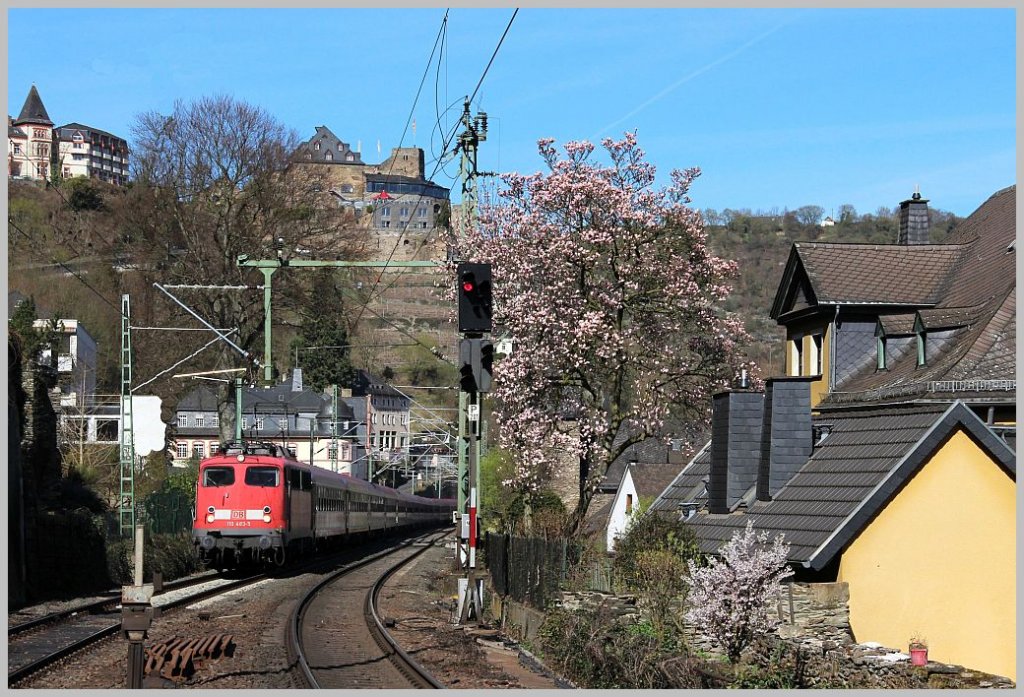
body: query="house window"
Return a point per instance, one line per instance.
(346, 188)
(41, 170)
(796, 356)
(404, 211)
(199, 449)
(42, 149)
(181, 450)
(629, 503)
(282, 424)
(880, 349)
(17, 148)
(329, 156)
(200, 420)
(920, 347)
(385, 223)
(259, 423)
(385, 212)
(421, 211)
(214, 420)
(182, 420)
(350, 158)
(332, 451)
(38, 133)
(316, 145)
(77, 156)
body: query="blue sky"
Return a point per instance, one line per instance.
(780, 108)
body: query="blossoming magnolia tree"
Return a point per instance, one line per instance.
(609, 291)
(731, 598)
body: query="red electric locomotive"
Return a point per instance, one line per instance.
(256, 502)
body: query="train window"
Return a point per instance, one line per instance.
(261, 476)
(306, 480)
(218, 476)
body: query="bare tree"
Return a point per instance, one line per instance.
(212, 182)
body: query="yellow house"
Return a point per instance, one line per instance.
(886, 455)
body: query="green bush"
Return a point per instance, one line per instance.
(596, 650)
(174, 556)
(646, 534)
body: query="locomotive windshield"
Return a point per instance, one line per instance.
(218, 476)
(261, 476)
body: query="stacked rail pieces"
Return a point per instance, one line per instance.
(179, 658)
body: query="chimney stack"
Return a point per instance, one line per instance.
(736, 419)
(786, 434)
(914, 220)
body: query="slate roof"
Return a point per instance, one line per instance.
(272, 400)
(329, 143)
(66, 131)
(867, 457)
(33, 111)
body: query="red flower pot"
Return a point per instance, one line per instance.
(918, 655)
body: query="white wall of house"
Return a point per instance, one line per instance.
(626, 501)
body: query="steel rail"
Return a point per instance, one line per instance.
(112, 599)
(19, 674)
(294, 640)
(407, 665)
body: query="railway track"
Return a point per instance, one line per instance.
(37, 644)
(337, 637)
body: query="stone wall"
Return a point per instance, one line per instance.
(813, 640)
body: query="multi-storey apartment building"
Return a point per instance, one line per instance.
(38, 151)
(84, 151)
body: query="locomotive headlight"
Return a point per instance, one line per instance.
(241, 458)
(209, 517)
(266, 517)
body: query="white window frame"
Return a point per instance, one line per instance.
(181, 450)
(182, 420)
(200, 420)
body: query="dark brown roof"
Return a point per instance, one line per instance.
(870, 274)
(868, 455)
(963, 292)
(651, 480)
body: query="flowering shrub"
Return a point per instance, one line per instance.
(730, 598)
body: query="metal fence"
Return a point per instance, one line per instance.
(528, 570)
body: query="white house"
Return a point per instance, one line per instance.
(639, 483)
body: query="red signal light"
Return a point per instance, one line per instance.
(468, 285)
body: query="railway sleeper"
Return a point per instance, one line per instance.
(179, 658)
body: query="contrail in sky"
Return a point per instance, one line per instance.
(699, 71)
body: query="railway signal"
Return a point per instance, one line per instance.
(474, 291)
(476, 359)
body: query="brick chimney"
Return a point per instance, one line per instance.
(736, 418)
(914, 220)
(786, 435)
